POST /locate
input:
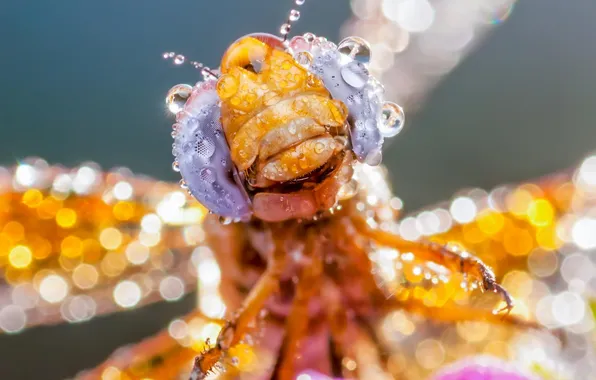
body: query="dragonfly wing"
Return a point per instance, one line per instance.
(77, 243)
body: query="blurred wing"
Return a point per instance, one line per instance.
(417, 43)
(79, 243)
(531, 234)
(538, 237)
(521, 231)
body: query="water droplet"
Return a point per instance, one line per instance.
(294, 15)
(177, 96)
(205, 148)
(196, 65)
(166, 55)
(309, 37)
(175, 166)
(393, 119)
(374, 158)
(355, 74)
(285, 29)
(174, 133)
(227, 86)
(299, 2)
(378, 87)
(208, 74)
(225, 220)
(183, 184)
(179, 59)
(207, 175)
(348, 190)
(342, 141)
(356, 48)
(319, 148)
(304, 58)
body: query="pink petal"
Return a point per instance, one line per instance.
(482, 368)
(312, 375)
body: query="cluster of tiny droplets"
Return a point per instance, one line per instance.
(294, 16)
(76, 243)
(538, 236)
(179, 59)
(417, 42)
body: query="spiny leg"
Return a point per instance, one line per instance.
(298, 320)
(463, 262)
(236, 328)
(451, 313)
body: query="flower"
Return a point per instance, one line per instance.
(482, 368)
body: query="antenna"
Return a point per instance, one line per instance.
(294, 15)
(179, 59)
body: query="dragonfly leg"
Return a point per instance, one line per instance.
(235, 329)
(298, 320)
(451, 259)
(452, 313)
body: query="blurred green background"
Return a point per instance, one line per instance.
(84, 80)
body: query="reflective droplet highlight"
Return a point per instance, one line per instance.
(285, 29)
(179, 59)
(304, 58)
(294, 15)
(177, 97)
(357, 48)
(355, 74)
(393, 119)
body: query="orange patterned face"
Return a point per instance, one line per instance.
(285, 132)
(276, 134)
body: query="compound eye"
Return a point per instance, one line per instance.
(344, 73)
(203, 156)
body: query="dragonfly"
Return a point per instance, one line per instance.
(291, 231)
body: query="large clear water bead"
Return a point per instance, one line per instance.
(393, 119)
(177, 97)
(356, 48)
(355, 74)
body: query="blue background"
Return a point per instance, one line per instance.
(84, 80)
